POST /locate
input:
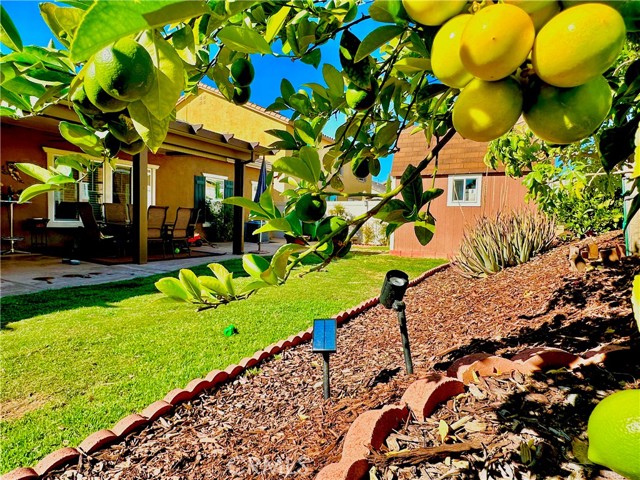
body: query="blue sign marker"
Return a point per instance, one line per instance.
(324, 335)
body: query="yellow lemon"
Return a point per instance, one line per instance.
(540, 11)
(496, 41)
(614, 433)
(433, 12)
(566, 115)
(445, 53)
(578, 44)
(485, 110)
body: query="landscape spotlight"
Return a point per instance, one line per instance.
(393, 290)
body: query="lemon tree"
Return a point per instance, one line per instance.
(569, 69)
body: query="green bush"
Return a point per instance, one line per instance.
(218, 222)
(503, 241)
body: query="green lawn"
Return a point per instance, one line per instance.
(77, 360)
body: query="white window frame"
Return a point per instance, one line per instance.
(107, 173)
(451, 202)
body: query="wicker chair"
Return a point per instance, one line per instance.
(179, 231)
(91, 234)
(156, 220)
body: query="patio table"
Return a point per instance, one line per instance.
(12, 239)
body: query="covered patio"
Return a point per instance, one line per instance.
(165, 178)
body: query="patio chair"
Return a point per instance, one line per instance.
(116, 218)
(179, 231)
(91, 235)
(156, 225)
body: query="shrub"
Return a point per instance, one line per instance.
(503, 241)
(218, 222)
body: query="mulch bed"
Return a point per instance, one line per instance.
(273, 423)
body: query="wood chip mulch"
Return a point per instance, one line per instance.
(272, 422)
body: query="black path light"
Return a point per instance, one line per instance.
(393, 290)
(324, 341)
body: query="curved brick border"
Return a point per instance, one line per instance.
(370, 429)
(133, 422)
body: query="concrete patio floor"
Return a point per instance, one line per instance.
(29, 273)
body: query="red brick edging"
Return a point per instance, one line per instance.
(370, 429)
(135, 421)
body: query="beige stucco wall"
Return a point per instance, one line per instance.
(250, 123)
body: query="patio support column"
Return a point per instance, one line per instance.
(140, 163)
(238, 214)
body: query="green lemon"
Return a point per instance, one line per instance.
(241, 95)
(331, 224)
(445, 53)
(566, 115)
(82, 102)
(122, 128)
(133, 148)
(578, 44)
(124, 70)
(97, 95)
(614, 433)
(485, 111)
(310, 207)
(242, 72)
(361, 169)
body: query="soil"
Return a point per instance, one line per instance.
(272, 423)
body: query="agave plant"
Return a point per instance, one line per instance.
(503, 241)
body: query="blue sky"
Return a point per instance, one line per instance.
(269, 70)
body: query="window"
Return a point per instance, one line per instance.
(102, 184)
(464, 190)
(213, 193)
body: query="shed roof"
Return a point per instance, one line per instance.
(459, 156)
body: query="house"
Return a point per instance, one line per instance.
(210, 109)
(164, 178)
(471, 189)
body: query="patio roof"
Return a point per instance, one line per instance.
(183, 139)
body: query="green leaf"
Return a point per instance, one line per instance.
(392, 211)
(425, 229)
(75, 161)
(431, 194)
(184, 43)
(252, 206)
(334, 79)
(243, 39)
(172, 288)
(168, 81)
(191, 284)
(62, 22)
(386, 135)
(286, 89)
(35, 171)
(412, 193)
(413, 65)
(81, 137)
(254, 265)
(376, 39)
(60, 180)
(275, 225)
(254, 285)
(616, 144)
(305, 131)
(314, 57)
(280, 259)
(312, 159)
(152, 130)
(275, 23)
(106, 22)
(288, 141)
(294, 166)
(35, 190)
(9, 35)
(214, 285)
(224, 276)
(387, 11)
